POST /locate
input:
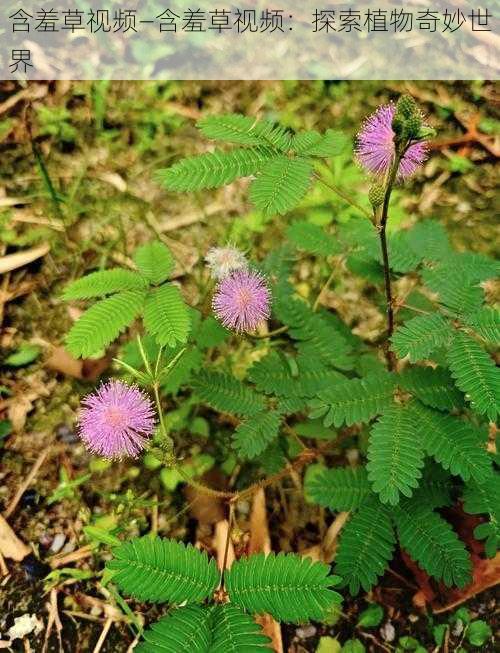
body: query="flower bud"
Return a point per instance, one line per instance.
(376, 195)
(406, 107)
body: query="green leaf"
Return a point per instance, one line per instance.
(103, 322)
(484, 499)
(371, 617)
(236, 632)
(290, 588)
(341, 488)
(353, 646)
(154, 261)
(214, 169)
(104, 282)
(395, 455)
(486, 323)
(312, 143)
(475, 374)
(452, 442)
(420, 336)
(227, 394)
(355, 400)
(160, 570)
(281, 185)
(455, 293)
(166, 316)
(312, 238)
(434, 387)
(366, 546)
(402, 258)
(254, 434)
(245, 130)
(478, 633)
(429, 240)
(431, 542)
(25, 355)
(183, 629)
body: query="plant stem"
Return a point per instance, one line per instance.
(391, 178)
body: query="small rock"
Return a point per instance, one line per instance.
(306, 632)
(58, 542)
(24, 625)
(388, 632)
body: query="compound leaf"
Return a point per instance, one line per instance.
(160, 570)
(475, 374)
(166, 315)
(366, 546)
(290, 588)
(100, 324)
(395, 455)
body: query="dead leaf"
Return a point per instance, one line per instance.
(10, 545)
(19, 259)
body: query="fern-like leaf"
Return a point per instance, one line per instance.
(214, 169)
(420, 336)
(161, 570)
(281, 185)
(236, 632)
(103, 322)
(484, 499)
(320, 339)
(431, 542)
(312, 143)
(104, 282)
(434, 387)
(312, 238)
(254, 434)
(355, 400)
(401, 256)
(273, 375)
(290, 588)
(244, 130)
(485, 322)
(395, 455)
(166, 316)
(455, 293)
(475, 374)
(452, 442)
(429, 240)
(186, 629)
(154, 261)
(366, 546)
(342, 488)
(227, 394)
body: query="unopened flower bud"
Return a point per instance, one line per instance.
(406, 107)
(413, 126)
(376, 195)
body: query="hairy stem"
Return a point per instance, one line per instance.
(391, 178)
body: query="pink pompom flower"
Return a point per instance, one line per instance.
(375, 149)
(116, 420)
(242, 301)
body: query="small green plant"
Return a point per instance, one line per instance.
(417, 400)
(215, 616)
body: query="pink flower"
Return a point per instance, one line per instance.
(116, 420)
(242, 301)
(375, 146)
